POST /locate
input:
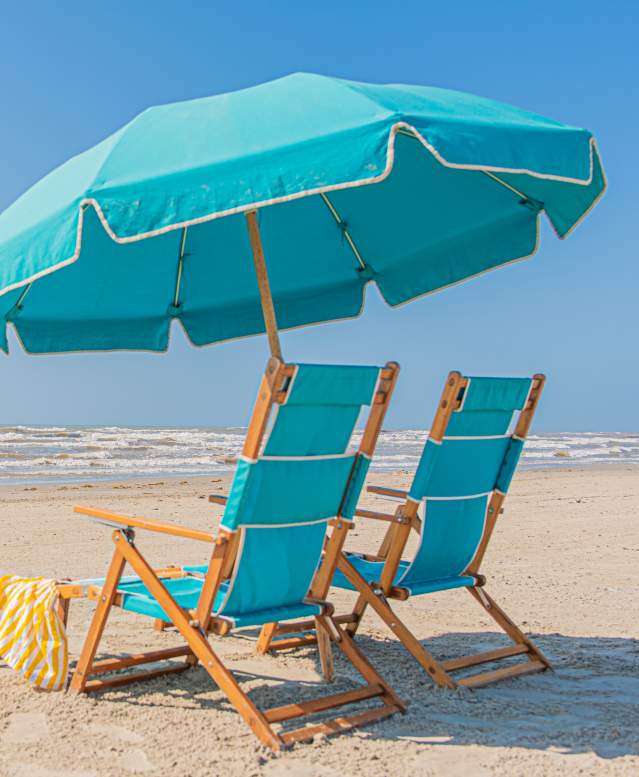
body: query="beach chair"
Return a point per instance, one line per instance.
(459, 488)
(296, 477)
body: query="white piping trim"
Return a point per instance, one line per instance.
(478, 437)
(390, 158)
(284, 525)
(236, 567)
(425, 499)
(319, 457)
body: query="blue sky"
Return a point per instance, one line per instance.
(73, 73)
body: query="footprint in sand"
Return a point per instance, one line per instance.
(281, 768)
(135, 761)
(25, 727)
(33, 770)
(452, 761)
(118, 733)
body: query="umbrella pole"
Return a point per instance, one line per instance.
(266, 297)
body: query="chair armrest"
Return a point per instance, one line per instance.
(398, 493)
(218, 499)
(378, 516)
(130, 521)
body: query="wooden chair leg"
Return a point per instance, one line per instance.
(410, 642)
(491, 607)
(325, 652)
(202, 649)
(264, 640)
(352, 652)
(96, 629)
(358, 613)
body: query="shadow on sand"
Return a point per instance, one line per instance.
(589, 703)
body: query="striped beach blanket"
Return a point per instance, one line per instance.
(33, 639)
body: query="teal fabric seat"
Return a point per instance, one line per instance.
(186, 592)
(280, 502)
(371, 571)
(454, 482)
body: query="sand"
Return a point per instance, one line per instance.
(563, 563)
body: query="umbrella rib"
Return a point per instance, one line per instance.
(496, 178)
(27, 289)
(178, 278)
(342, 225)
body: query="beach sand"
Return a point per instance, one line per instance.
(563, 563)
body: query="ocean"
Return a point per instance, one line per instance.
(41, 454)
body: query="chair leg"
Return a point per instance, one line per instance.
(358, 613)
(96, 629)
(410, 642)
(508, 626)
(264, 640)
(325, 652)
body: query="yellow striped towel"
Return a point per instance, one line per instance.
(33, 639)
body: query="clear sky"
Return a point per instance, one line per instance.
(74, 72)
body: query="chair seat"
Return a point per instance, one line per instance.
(371, 572)
(186, 591)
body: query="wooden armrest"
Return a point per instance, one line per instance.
(218, 499)
(384, 491)
(380, 516)
(141, 523)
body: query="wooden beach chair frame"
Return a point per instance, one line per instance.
(406, 519)
(196, 624)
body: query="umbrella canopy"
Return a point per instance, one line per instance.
(415, 188)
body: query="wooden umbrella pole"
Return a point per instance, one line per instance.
(264, 285)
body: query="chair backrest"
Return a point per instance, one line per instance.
(297, 475)
(466, 468)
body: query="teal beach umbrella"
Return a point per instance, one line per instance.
(340, 184)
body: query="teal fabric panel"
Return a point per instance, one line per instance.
(432, 586)
(311, 430)
(372, 570)
(327, 384)
(274, 615)
(421, 225)
(277, 492)
(186, 592)
(496, 394)
(275, 568)
(509, 465)
(479, 422)
(137, 597)
(451, 531)
(355, 485)
(459, 468)
(322, 407)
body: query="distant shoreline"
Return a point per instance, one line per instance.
(164, 479)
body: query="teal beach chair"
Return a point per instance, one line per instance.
(457, 494)
(297, 476)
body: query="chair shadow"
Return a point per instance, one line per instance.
(588, 703)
